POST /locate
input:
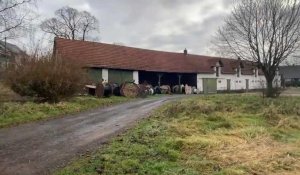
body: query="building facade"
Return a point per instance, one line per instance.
(118, 64)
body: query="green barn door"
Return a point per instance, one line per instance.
(95, 75)
(119, 76)
(209, 85)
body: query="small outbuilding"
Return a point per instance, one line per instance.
(290, 75)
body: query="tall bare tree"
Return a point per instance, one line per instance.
(88, 23)
(71, 23)
(14, 16)
(266, 32)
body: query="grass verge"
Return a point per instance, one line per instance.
(13, 113)
(222, 134)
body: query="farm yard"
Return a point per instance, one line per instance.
(219, 134)
(200, 87)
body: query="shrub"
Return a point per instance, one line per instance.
(46, 78)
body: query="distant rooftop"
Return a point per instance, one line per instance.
(11, 49)
(289, 72)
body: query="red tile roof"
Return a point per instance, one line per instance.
(101, 55)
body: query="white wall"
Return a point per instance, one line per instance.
(236, 83)
(239, 83)
(199, 82)
(105, 75)
(136, 77)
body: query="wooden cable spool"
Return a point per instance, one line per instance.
(115, 89)
(143, 91)
(150, 89)
(188, 89)
(99, 92)
(107, 90)
(165, 89)
(177, 89)
(130, 89)
(157, 90)
(103, 90)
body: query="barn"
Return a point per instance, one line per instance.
(118, 64)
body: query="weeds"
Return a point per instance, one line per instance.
(220, 135)
(13, 113)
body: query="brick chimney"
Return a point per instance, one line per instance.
(185, 52)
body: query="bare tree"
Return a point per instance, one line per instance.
(70, 23)
(263, 31)
(14, 14)
(88, 23)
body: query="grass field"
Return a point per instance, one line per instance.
(13, 113)
(17, 110)
(220, 135)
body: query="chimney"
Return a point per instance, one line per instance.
(185, 52)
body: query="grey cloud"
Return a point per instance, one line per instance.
(196, 36)
(168, 25)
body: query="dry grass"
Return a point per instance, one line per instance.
(6, 94)
(249, 150)
(219, 135)
(259, 156)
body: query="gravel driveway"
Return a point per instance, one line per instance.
(42, 147)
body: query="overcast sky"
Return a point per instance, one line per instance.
(169, 25)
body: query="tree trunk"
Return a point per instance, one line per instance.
(270, 92)
(73, 34)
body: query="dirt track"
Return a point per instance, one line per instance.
(42, 147)
(291, 91)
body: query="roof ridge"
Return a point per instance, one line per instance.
(130, 58)
(131, 47)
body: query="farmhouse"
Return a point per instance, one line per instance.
(8, 52)
(117, 64)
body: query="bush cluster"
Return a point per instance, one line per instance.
(48, 78)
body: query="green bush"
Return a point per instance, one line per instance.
(46, 78)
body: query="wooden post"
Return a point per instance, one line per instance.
(159, 79)
(179, 82)
(179, 79)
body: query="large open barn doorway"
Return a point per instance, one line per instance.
(171, 79)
